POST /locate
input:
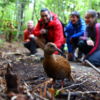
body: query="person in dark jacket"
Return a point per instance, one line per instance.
(50, 28)
(90, 43)
(73, 30)
(29, 42)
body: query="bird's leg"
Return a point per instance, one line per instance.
(62, 84)
(53, 82)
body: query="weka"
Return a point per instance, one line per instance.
(56, 66)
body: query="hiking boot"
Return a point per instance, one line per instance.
(70, 57)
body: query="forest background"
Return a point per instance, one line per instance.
(14, 14)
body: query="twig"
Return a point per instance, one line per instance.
(29, 94)
(80, 77)
(73, 85)
(78, 93)
(69, 95)
(96, 69)
(39, 96)
(45, 90)
(27, 91)
(47, 81)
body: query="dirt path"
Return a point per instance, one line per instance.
(30, 69)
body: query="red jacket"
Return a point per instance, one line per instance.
(27, 33)
(55, 30)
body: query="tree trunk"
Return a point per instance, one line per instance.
(33, 13)
(20, 10)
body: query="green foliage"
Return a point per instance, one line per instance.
(1, 42)
(20, 11)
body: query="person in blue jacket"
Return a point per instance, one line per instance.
(73, 30)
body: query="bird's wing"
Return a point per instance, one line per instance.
(61, 61)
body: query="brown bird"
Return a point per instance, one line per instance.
(56, 66)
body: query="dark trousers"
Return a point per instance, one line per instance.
(31, 46)
(93, 58)
(74, 42)
(83, 47)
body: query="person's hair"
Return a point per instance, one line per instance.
(30, 21)
(93, 13)
(44, 9)
(75, 13)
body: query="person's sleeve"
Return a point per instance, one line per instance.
(58, 34)
(82, 30)
(37, 29)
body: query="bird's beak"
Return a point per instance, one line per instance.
(60, 52)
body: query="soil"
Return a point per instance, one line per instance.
(29, 70)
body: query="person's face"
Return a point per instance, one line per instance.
(45, 16)
(89, 20)
(30, 25)
(74, 19)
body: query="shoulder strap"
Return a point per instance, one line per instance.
(97, 26)
(98, 32)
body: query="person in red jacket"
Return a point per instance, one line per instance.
(50, 28)
(29, 41)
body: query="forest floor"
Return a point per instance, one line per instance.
(30, 71)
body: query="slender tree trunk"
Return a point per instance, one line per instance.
(22, 13)
(33, 13)
(20, 10)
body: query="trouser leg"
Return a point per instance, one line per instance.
(31, 46)
(74, 42)
(83, 47)
(95, 58)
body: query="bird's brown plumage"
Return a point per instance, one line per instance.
(56, 66)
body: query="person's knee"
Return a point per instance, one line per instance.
(25, 44)
(81, 43)
(95, 58)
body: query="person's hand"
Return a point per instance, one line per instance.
(43, 31)
(31, 36)
(27, 40)
(90, 42)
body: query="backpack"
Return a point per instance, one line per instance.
(63, 25)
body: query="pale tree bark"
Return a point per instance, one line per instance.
(20, 16)
(33, 13)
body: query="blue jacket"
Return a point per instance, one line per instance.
(74, 31)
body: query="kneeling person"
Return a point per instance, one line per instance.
(90, 43)
(29, 41)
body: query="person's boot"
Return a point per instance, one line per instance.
(70, 57)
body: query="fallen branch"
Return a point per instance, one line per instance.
(75, 94)
(73, 85)
(69, 95)
(34, 93)
(42, 84)
(42, 98)
(89, 63)
(28, 91)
